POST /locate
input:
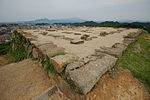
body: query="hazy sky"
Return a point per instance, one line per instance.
(18, 10)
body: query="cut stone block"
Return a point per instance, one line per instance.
(77, 41)
(77, 33)
(46, 47)
(117, 49)
(129, 40)
(84, 77)
(52, 51)
(60, 61)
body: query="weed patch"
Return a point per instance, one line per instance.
(59, 53)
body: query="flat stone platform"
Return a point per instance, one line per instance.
(62, 36)
(83, 54)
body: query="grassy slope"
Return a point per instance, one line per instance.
(138, 63)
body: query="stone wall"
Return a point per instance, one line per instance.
(71, 72)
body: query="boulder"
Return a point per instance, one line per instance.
(77, 41)
(61, 61)
(84, 77)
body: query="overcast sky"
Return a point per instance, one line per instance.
(19, 10)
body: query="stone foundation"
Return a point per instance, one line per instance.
(81, 74)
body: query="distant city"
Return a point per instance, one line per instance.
(8, 27)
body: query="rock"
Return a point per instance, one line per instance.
(88, 38)
(84, 77)
(86, 60)
(77, 33)
(138, 48)
(51, 51)
(117, 49)
(60, 61)
(35, 53)
(129, 40)
(47, 46)
(93, 37)
(84, 37)
(77, 41)
(132, 35)
(65, 88)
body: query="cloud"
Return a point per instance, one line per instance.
(14, 10)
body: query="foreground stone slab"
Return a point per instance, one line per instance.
(84, 77)
(60, 61)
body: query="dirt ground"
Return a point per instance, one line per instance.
(23, 81)
(27, 79)
(3, 61)
(120, 87)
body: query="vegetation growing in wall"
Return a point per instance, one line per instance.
(18, 44)
(58, 53)
(4, 48)
(48, 66)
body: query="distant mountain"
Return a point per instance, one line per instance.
(65, 20)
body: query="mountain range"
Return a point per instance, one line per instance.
(65, 20)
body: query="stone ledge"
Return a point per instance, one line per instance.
(60, 61)
(84, 77)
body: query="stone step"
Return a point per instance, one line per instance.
(52, 51)
(61, 61)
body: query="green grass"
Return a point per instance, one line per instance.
(138, 63)
(4, 48)
(9, 57)
(4, 52)
(58, 53)
(18, 50)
